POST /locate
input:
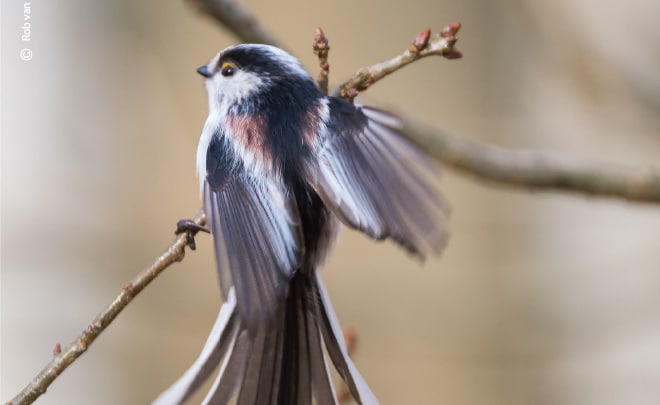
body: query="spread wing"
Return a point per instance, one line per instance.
(376, 181)
(256, 232)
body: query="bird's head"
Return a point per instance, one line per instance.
(245, 76)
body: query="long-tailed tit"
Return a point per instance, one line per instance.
(280, 167)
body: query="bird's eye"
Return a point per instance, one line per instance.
(228, 69)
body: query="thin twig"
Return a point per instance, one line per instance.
(321, 48)
(67, 355)
(441, 44)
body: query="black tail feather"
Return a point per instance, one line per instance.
(284, 364)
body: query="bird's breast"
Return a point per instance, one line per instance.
(248, 131)
(248, 134)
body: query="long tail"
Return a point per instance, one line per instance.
(285, 364)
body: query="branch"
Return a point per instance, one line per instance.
(321, 48)
(533, 170)
(237, 19)
(64, 357)
(441, 44)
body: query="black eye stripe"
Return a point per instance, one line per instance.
(254, 60)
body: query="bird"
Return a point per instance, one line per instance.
(282, 167)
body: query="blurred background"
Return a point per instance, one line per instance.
(540, 298)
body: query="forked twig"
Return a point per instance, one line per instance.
(63, 357)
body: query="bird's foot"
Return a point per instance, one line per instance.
(190, 228)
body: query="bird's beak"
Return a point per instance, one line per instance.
(204, 71)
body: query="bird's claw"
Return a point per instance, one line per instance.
(190, 228)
